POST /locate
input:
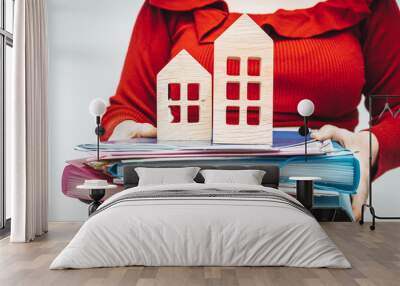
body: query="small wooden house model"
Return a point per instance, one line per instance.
(183, 89)
(243, 84)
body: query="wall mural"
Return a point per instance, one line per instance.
(233, 79)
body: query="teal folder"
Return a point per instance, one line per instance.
(339, 171)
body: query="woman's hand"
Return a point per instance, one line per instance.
(130, 129)
(359, 144)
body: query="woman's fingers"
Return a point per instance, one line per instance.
(130, 129)
(143, 130)
(362, 192)
(340, 135)
(325, 132)
(361, 142)
(360, 198)
(123, 130)
(147, 130)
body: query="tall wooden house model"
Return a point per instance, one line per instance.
(242, 99)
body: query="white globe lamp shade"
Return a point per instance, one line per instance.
(305, 108)
(97, 107)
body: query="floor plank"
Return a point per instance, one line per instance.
(375, 257)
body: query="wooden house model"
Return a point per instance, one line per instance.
(242, 107)
(183, 88)
(243, 84)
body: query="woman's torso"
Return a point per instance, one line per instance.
(326, 68)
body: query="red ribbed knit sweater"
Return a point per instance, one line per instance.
(331, 53)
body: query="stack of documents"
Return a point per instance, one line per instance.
(337, 167)
(285, 143)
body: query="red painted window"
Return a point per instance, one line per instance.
(253, 115)
(253, 91)
(193, 113)
(232, 66)
(253, 66)
(174, 91)
(176, 113)
(232, 115)
(232, 90)
(193, 91)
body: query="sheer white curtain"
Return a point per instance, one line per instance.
(27, 123)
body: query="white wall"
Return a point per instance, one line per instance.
(87, 43)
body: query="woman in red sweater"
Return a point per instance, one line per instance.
(331, 52)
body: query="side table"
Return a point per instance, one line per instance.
(97, 190)
(305, 190)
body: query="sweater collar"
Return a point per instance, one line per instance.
(185, 5)
(325, 16)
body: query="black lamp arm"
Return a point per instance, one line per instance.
(99, 129)
(304, 131)
(99, 132)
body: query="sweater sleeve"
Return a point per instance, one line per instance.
(148, 52)
(381, 46)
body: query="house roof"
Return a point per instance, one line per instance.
(244, 25)
(183, 60)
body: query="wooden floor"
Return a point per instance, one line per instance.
(375, 257)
